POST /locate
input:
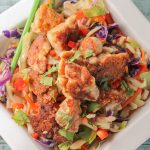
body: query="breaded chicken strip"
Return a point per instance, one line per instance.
(90, 44)
(63, 33)
(75, 81)
(112, 66)
(44, 122)
(114, 96)
(68, 114)
(37, 54)
(46, 18)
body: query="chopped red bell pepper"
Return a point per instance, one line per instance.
(102, 134)
(109, 19)
(83, 31)
(19, 84)
(71, 44)
(116, 83)
(35, 135)
(80, 15)
(53, 53)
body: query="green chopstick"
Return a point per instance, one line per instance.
(26, 29)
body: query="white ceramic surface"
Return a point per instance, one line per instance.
(134, 24)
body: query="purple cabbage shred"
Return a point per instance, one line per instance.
(112, 26)
(133, 66)
(12, 33)
(102, 32)
(6, 74)
(109, 113)
(46, 142)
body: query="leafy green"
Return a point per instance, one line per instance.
(68, 135)
(20, 118)
(51, 5)
(88, 54)
(67, 118)
(75, 56)
(125, 87)
(95, 11)
(64, 146)
(93, 107)
(134, 44)
(52, 70)
(98, 9)
(104, 84)
(146, 76)
(87, 134)
(46, 80)
(123, 124)
(53, 94)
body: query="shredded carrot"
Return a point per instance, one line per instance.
(28, 110)
(143, 55)
(102, 134)
(84, 120)
(35, 135)
(132, 98)
(143, 68)
(85, 147)
(80, 15)
(18, 106)
(16, 70)
(100, 19)
(30, 101)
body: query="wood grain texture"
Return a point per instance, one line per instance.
(144, 6)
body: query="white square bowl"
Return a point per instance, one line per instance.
(132, 22)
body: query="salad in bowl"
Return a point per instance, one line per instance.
(78, 78)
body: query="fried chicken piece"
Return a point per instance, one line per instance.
(112, 66)
(36, 87)
(75, 81)
(90, 44)
(63, 33)
(49, 96)
(44, 122)
(68, 114)
(46, 18)
(43, 93)
(37, 54)
(111, 96)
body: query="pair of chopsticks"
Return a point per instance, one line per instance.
(26, 29)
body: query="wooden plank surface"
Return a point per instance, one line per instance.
(144, 6)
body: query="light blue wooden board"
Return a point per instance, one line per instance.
(143, 5)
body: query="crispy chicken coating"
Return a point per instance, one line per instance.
(90, 44)
(43, 93)
(44, 122)
(62, 34)
(46, 18)
(112, 66)
(75, 81)
(111, 96)
(68, 114)
(37, 54)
